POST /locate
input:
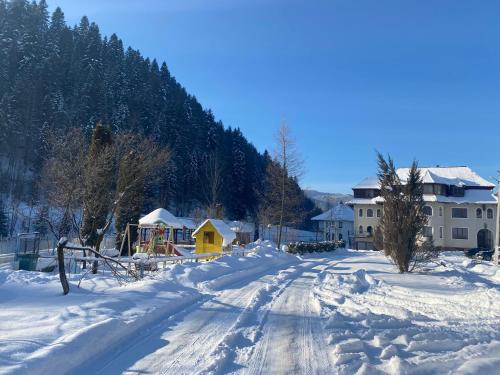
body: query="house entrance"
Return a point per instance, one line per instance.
(485, 239)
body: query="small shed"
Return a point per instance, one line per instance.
(213, 236)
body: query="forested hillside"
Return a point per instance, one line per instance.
(55, 77)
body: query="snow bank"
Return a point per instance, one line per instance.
(42, 331)
(446, 320)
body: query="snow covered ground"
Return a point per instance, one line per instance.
(345, 312)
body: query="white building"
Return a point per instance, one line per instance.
(460, 205)
(337, 224)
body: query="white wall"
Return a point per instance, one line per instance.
(436, 221)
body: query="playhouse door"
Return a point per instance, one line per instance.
(208, 241)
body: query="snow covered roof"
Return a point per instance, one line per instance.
(228, 236)
(339, 212)
(474, 196)
(457, 176)
(368, 183)
(161, 216)
(366, 200)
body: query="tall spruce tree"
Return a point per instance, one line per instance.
(54, 77)
(98, 184)
(4, 221)
(131, 182)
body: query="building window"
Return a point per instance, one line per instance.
(369, 229)
(489, 213)
(360, 212)
(427, 231)
(428, 189)
(459, 213)
(340, 224)
(340, 236)
(457, 191)
(479, 213)
(440, 211)
(369, 212)
(360, 229)
(440, 232)
(427, 210)
(435, 189)
(460, 233)
(379, 212)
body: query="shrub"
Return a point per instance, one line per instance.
(310, 247)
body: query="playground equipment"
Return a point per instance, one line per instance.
(27, 251)
(156, 233)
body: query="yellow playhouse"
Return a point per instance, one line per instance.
(213, 236)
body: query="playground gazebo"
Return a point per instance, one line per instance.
(156, 232)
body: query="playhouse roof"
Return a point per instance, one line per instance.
(161, 216)
(228, 236)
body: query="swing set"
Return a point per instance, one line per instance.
(152, 239)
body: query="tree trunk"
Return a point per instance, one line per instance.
(60, 261)
(97, 248)
(282, 208)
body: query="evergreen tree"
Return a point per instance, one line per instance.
(131, 180)
(403, 216)
(4, 221)
(54, 78)
(98, 184)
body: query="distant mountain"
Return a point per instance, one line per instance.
(326, 200)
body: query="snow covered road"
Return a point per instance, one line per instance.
(203, 335)
(346, 312)
(269, 326)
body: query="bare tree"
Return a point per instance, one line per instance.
(62, 183)
(283, 198)
(211, 183)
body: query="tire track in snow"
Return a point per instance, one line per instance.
(181, 344)
(248, 327)
(293, 340)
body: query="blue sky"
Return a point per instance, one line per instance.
(412, 78)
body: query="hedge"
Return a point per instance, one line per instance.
(310, 247)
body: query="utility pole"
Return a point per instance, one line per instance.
(497, 224)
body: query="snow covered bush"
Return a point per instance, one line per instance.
(310, 247)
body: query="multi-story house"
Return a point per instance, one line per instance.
(337, 223)
(460, 206)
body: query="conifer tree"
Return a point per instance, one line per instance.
(131, 180)
(98, 184)
(403, 218)
(139, 160)
(4, 221)
(54, 78)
